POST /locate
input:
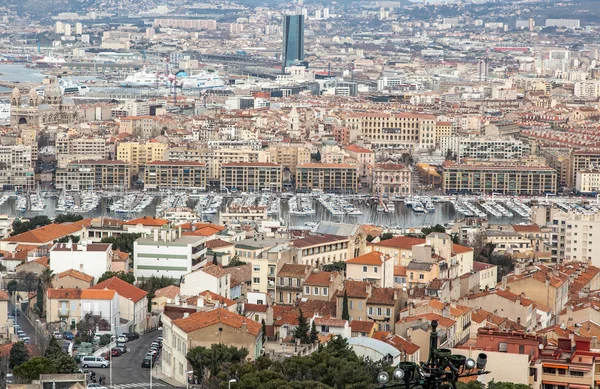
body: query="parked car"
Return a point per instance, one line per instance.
(68, 335)
(122, 347)
(92, 361)
(135, 335)
(27, 339)
(94, 385)
(122, 339)
(57, 335)
(147, 362)
(115, 352)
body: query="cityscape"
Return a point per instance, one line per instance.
(251, 194)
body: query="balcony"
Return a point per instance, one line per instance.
(63, 312)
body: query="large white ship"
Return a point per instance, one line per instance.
(145, 79)
(202, 81)
(51, 61)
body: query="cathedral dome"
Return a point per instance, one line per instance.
(53, 90)
(16, 92)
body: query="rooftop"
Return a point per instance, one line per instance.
(203, 319)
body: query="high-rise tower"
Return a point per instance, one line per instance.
(293, 40)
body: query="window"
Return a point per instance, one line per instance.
(503, 347)
(421, 276)
(388, 312)
(360, 305)
(351, 304)
(375, 269)
(325, 291)
(316, 290)
(549, 370)
(576, 373)
(364, 269)
(255, 267)
(521, 349)
(256, 280)
(307, 290)
(378, 311)
(370, 310)
(412, 275)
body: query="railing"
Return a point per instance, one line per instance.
(63, 312)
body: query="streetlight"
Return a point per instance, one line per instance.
(187, 381)
(442, 369)
(230, 381)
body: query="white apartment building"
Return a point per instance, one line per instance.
(211, 277)
(565, 23)
(168, 254)
(17, 172)
(575, 237)
(103, 303)
(588, 89)
(484, 147)
(93, 259)
(587, 181)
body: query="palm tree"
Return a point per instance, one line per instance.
(46, 277)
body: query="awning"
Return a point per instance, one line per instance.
(577, 386)
(580, 368)
(555, 383)
(555, 366)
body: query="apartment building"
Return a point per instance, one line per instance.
(573, 237)
(16, 171)
(252, 176)
(316, 250)
(484, 147)
(392, 179)
(94, 174)
(476, 177)
(544, 285)
(70, 148)
(168, 254)
(92, 259)
(364, 157)
(373, 267)
(174, 175)
(383, 130)
(290, 283)
(138, 154)
(289, 155)
(560, 160)
(142, 126)
(322, 285)
(582, 161)
(587, 181)
(336, 178)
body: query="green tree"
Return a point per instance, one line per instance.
(65, 364)
(12, 286)
(502, 385)
(123, 242)
(39, 301)
(152, 284)
(207, 362)
(53, 350)
(235, 261)
(47, 277)
(264, 330)
(31, 369)
(18, 355)
(214, 261)
(386, 236)
(72, 238)
(301, 331)
(437, 228)
(127, 277)
(20, 226)
(104, 339)
(67, 218)
(370, 238)
(339, 266)
(314, 334)
(345, 313)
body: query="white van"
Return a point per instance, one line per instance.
(92, 361)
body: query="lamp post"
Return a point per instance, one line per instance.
(230, 381)
(441, 371)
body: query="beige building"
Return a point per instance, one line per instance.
(337, 178)
(94, 174)
(138, 154)
(364, 157)
(574, 237)
(373, 267)
(17, 172)
(515, 307)
(290, 283)
(72, 148)
(581, 161)
(316, 250)
(72, 279)
(251, 176)
(174, 175)
(587, 181)
(142, 126)
(205, 328)
(322, 285)
(289, 155)
(542, 284)
(392, 179)
(63, 305)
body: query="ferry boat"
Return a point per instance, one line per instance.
(201, 81)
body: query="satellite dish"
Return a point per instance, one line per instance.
(541, 346)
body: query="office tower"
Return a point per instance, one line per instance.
(482, 69)
(293, 40)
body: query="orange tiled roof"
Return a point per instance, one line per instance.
(4, 295)
(147, 221)
(458, 249)
(400, 242)
(203, 319)
(94, 294)
(362, 326)
(443, 321)
(214, 270)
(63, 293)
(372, 258)
(213, 297)
(49, 232)
(397, 342)
(77, 275)
(168, 291)
(320, 278)
(123, 288)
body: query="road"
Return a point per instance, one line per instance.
(126, 369)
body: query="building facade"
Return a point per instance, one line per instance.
(94, 174)
(251, 176)
(174, 175)
(335, 178)
(392, 179)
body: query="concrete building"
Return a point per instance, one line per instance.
(133, 302)
(317, 250)
(364, 157)
(392, 179)
(251, 176)
(168, 254)
(336, 178)
(17, 171)
(138, 154)
(515, 307)
(290, 283)
(93, 259)
(587, 181)
(212, 277)
(174, 175)
(573, 237)
(289, 155)
(94, 174)
(373, 267)
(105, 304)
(484, 147)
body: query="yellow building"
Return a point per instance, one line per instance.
(289, 155)
(174, 175)
(138, 154)
(251, 176)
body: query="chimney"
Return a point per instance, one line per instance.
(200, 302)
(156, 234)
(518, 270)
(186, 314)
(504, 282)
(70, 244)
(179, 231)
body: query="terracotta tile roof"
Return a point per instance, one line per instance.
(49, 232)
(532, 228)
(206, 231)
(397, 342)
(214, 270)
(443, 321)
(400, 271)
(372, 258)
(319, 307)
(216, 243)
(77, 275)
(95, 294)
(362, 326)
(437, 305)
(504, 294)
(212, 297)
(383, 296)
(372, 230)
(123, 288)
(322, 278)
(65, 293)
(355, 289)
(314, 240)
(255, 307)
(203, 319)
(458, 249)
(358, 149)
(293, 270)
(119, 256)
(147, 221)
(239, 274)
(287, 318)
(326, 321)
(198, 226)
(4, 295)
(480, 266)
(168, 291)
(541, 273)
(400, 242)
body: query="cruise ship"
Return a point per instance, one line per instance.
(145, 79)
(50, 61)
(202, 81)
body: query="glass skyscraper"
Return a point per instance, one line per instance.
(293, 40)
